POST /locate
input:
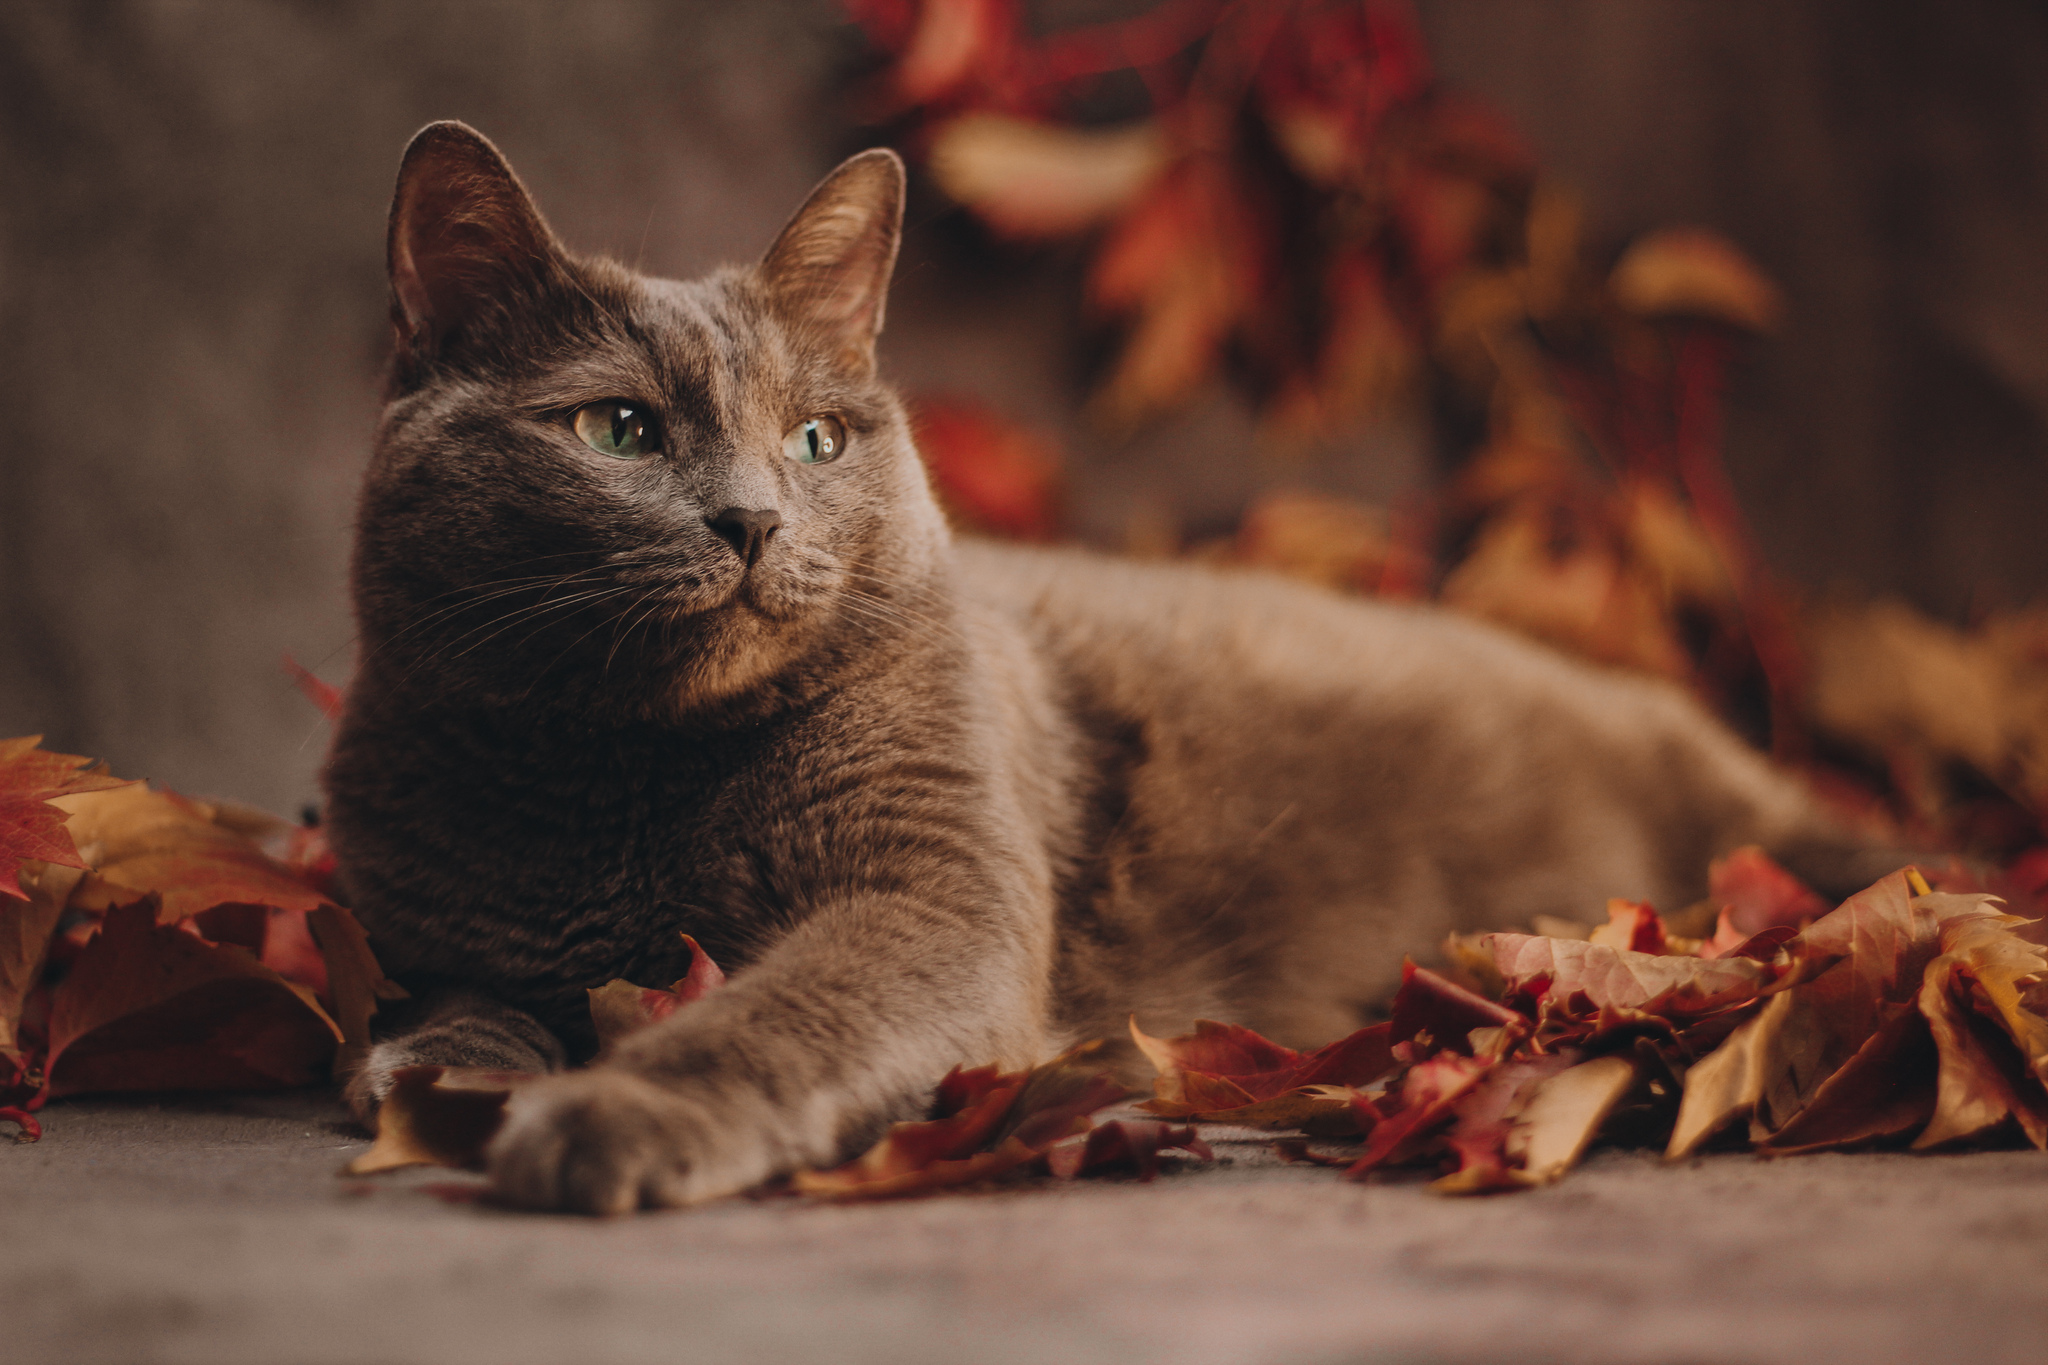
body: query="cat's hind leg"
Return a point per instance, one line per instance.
(452, 1026)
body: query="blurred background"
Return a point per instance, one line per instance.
(1702, 337)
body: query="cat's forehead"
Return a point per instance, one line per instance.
(707, 339)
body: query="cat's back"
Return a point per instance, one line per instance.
(1149, 636)
(1308, 785)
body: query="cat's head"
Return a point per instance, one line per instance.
(626, 492)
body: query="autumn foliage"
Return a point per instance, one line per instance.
(1300, 210)
(152, 942)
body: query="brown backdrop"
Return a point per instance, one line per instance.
(191, 303)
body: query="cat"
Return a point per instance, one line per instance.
(663, 632)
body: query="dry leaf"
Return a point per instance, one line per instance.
(1557, 969)
(1757, 894)
(1885, 1090)
(992, 475)
(1485, 1122)
(1563, 1115)
(1225, 1068)
(1429, 1094)
(1135, 1143)
(31, 826)
(355, 983)
(1726, 1085)
(985, 1124)
(142, 842)
(149, 1006)
(439, 1116)
(25, 931)
(620, 1007)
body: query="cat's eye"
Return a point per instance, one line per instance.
(622, 430)
(818, 441)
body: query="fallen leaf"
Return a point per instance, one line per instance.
(439, 1116)
(142, 842)
(1757, 894)
(25, 931)
(1429, 1093)
(985, 1123)
(1979, 1086)
(1726, 1084)
(1135, 1143)
(1563, 1115)
(355, 983)
(1631, 925)
(1885, 1090)
(1429, 1006)
(1223, 1068)
(32, 829)
(1557, 969)
(620, 1007)
(1318, 1110)
(149, 1006)
(992, 475)
(1485, 1120)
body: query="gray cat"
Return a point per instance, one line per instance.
(663, 633)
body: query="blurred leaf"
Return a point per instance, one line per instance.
(992, 475)
(1693, 272)
(1027, 179)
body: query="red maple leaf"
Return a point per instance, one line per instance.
(31, 829)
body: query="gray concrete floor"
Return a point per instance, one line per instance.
(216, 1230)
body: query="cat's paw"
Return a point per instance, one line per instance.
(606, 1141)
(371, 1081)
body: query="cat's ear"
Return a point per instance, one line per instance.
(464, 235)
(829, 270)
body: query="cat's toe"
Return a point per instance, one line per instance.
(366, 1086)
(603, 1141)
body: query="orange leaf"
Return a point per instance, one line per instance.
(355, 983)
(142, 842)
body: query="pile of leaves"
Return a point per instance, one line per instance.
(1905, 1016)
(153, 942)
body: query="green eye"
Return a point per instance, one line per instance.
(818, 441)
(622, 430)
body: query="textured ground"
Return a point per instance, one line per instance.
(217, 1231)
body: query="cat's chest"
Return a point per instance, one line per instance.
(501, 853)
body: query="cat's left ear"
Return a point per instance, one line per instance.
(829, 270)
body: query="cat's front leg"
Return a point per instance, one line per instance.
(451, 1026)
(841, 1028)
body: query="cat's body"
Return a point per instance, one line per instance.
(935, 802)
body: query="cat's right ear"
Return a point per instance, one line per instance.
(464, 236)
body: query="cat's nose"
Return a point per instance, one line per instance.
(746, 529)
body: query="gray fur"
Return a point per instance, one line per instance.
(929, 802)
